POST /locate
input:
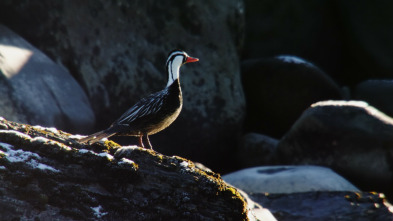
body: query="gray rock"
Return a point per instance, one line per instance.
(279, 89)
(117, 51)
(288, 179)
(326, 206)
(352, 138)
(256, 150)
(377, 93)
(36, 90)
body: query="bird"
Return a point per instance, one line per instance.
(153, 113)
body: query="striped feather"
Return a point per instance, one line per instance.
(147, 106)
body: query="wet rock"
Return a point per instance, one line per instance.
(377, 93)
(256, 150)
(279, 89)
(36, 90)
(117, 51)
(341, 205)
(46, 174)
(352, 138)
(288, 179)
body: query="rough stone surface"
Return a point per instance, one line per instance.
(256, 150)
(288, 179)
(36, 90)
(46, 174)
(117, 51)
(279, 89)
(310, 206)
(378, 93)
(352, 138)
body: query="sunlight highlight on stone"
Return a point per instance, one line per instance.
(12, 59)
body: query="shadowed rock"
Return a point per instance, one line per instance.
(46, 174)
(352, 138)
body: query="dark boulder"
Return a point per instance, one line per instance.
(256, 150)
(46, 174)
(351, 42)
(352, 138)
(279, 89)
(310, 206)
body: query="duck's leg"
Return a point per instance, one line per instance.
(141, 141)
(148, 141)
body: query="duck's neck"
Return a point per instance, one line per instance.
(173, 69)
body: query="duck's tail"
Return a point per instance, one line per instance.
(96, 137)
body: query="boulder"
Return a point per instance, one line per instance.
(256, 150)
(377, 93)
(330, 205)
(46, 174)
(351, 137)
(288, 179)
(350, 42)
(279, 89)
(308, 29)
(117, 50)
(36, 90)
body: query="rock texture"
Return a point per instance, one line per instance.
(288, 179)
(117, 51)
(36, 90)
(312, 206)
(352, 138)
(279, 89)
(46, 174)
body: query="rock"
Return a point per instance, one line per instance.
(275, 28)
(377, 93)
(117, 51)
(279, 89)
(352, 138)
(351, 43)
(46, 174)
(256, 149)
(367, 40)
(341, 205)
(36, 90)
(288, 179)
(255, 211)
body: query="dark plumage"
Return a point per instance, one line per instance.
(153, 113)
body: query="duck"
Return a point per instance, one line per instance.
(153, 113)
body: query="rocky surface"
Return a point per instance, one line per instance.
(46, 174)
(279, 89)
(117, 51)
(288, 179)
(326, 206)
(352, 138)
(36, 90)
